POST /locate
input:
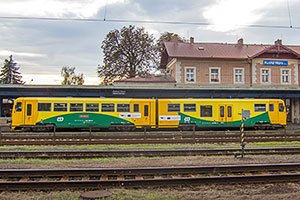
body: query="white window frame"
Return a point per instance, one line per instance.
(218, 75)
(261, 76)
(186, 74)
(242, 76)
(285, 75)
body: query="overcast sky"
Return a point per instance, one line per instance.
(42, 47)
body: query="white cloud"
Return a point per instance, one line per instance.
(24, 54)
(227, 15)
(53, 8)
(54, 79)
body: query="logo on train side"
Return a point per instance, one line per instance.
(60, 119)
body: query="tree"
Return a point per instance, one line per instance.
(167, 36)
(128, 53)
(10, 72)
(70, 78)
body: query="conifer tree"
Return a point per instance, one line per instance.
(10, 72)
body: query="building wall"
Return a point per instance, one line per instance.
(276, 76)
(203, 72)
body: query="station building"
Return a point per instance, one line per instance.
(235, 65)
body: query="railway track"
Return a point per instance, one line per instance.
(87, 154)
(61, 179)
(144, 138)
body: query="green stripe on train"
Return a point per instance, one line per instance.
(84, 119)
(186, 119)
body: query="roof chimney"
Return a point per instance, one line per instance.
(278, 42)
(175, 40)
(191, 40)
(241, 41)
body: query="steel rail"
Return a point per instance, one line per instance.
(141, 177)
(91, 141)
(88, 154)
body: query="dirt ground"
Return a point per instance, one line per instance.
(237, 191)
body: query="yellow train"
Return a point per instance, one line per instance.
(155, 113)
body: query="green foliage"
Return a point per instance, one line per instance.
(128, 53)
(10, 72)
(70, 78)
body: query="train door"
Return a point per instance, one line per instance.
(141, 112)
(225, 113)
(29, 112)
(273, 112)
(18, 113)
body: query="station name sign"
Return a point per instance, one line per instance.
(276, 62)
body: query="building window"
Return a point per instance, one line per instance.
(285, 76)
(238, 75)
(265, 75)
(214, 75)
(190, 74)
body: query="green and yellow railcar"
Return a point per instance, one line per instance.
(81, 112)
(159, 113)
(222, 112)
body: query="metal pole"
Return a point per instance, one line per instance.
(145, 129)
(194, 137)
(242, 131)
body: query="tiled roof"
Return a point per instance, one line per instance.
(150, 78)
(217, 50)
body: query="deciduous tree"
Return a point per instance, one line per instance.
(70, 78)
(128, 53)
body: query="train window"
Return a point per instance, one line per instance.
(18, 107)
(222, 111)
(173, 107)
(260, 107)
(271, 107)
(281, 107)
(76, 107)
(123, 107)
(146, 110)
(44, 107)
(60, 107)
(92, 107)
(29, 106)
(189, 107)
(107, 107)
(136, 108)
(206, 111)
(229, 111)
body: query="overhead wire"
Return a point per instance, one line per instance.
(145, 21)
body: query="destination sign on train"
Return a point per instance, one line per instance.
(276, 62)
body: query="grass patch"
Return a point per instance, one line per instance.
(118, 194)
(150, 146)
